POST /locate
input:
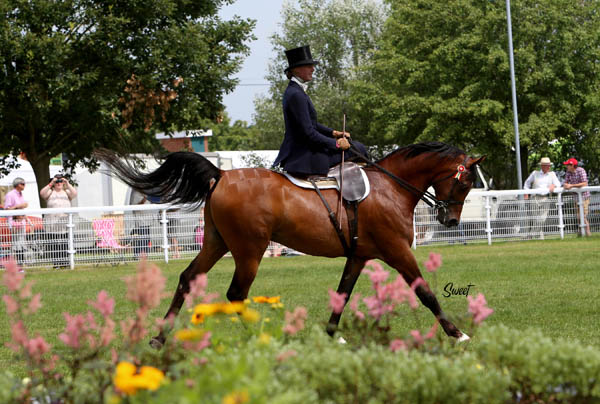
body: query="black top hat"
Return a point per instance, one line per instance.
(299, 57)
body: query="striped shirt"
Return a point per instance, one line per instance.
(577, 177)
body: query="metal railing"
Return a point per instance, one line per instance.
(490, 216)
(118, 234)
(64, 238)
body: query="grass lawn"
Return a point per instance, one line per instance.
(551, 285)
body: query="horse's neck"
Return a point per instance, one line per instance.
(417, 171)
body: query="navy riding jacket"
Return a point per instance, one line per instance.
(308, 147)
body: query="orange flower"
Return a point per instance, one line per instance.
(127, 380)
(267, 299)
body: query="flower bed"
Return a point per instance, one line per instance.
(271, 363)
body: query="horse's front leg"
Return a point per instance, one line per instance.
(211, 252)
(351, 272)
(404, 262)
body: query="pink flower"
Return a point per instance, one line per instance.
(354, 307)
(294, 322)
(198, 345)
(337, 301)
(198, 291)
(107, 333)
(11, 304)
(37, 347)
(397, 345)
(75, 329)
(104, 304)
(477, 307)
(12, 277)
(418, 282)
(416, 334)
(34, 304)
(19, 336)
(434, 262)
(146, 287)
(378, 274)
(432, 331)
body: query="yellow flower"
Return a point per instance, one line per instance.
(208, 309)
(234, 319)
(233, 307)
(478, 366)
(250, 315)
(267, 299)
(264, 338)
(128, 381)
(237, 397)
(277, 305)
(197, 318)
(193, 334)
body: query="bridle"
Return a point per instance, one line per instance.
(425, 196)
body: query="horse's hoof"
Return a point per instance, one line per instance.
(331, 329)
(341, 340)
(156, 343)
(464, 337)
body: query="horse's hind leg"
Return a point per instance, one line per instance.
(351, 272)
(247, 259)
(404, 262)
(213, 249)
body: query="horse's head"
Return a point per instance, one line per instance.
(451, 188)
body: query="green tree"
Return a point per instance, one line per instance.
(236, 136)
(442, 73)
(79, 74)
(342, 35)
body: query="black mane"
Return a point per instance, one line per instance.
(443, 149)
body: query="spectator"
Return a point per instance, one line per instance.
(18, 224)
(576, 177)
(540, 179)
(58, 194)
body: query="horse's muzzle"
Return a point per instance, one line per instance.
(443, 218)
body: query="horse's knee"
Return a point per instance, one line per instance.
(428, 299)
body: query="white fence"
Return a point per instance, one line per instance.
(117, 234)
(490, 216)
(103, 235)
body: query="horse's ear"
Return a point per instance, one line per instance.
(476, 162)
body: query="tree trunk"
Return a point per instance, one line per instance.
(41, 169)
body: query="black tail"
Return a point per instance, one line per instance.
(184, 177)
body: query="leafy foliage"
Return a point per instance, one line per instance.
(80, 74)
(441, 72)
(342, 35)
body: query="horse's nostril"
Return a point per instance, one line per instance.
(452, 223)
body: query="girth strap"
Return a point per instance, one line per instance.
(352, 225)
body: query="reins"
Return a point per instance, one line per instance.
(425, 195)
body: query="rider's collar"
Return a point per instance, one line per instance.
(300, 82)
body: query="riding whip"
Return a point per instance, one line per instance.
(342, 173)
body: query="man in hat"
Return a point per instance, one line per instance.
(576, 177)
(308, 147)
(15, 199)
(540, 179)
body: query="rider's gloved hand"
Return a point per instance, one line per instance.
(342, 143)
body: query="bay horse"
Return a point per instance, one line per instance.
(246, 208)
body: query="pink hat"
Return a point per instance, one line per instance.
(570, 161)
